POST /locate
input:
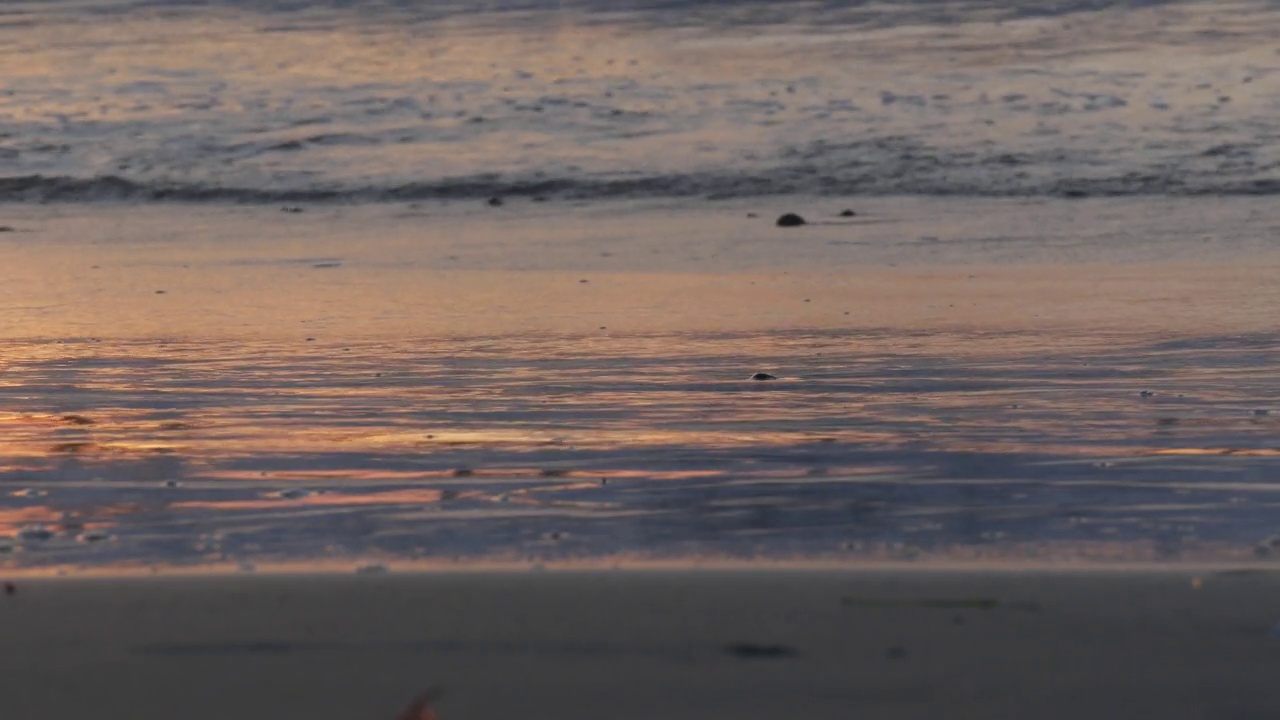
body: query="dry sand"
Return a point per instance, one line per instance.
(647, 644)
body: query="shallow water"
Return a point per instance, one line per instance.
(323, 101)
(870, 444)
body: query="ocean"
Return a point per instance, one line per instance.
(295, 101)
(384, 284)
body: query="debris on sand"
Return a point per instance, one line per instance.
(756, 651)
(420, 708)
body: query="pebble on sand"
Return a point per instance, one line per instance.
(495, 202)
(763, 376)
(790, 220)
(848, 213)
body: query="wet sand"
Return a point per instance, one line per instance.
(958, 378)
(1121, 643)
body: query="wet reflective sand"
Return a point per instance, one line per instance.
(276, 406)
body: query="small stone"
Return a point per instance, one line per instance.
(495, 201)
(291, 209)
(848, 213)
(763, 376)
(1146, 394)
(35, 532)
(6, 228)
(790, 220)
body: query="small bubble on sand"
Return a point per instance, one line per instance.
(29, 493)
(290, 494)
(763, 376)
(790, 220)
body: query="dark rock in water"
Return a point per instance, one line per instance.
(764, 376)
(495, 202)
(848, 213)
(790, 220)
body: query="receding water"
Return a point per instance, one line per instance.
(869, 444)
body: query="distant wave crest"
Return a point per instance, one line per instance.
(108, 188)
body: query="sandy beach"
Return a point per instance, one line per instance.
(351, 351)
(915, 643)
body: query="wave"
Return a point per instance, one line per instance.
(109, 188)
